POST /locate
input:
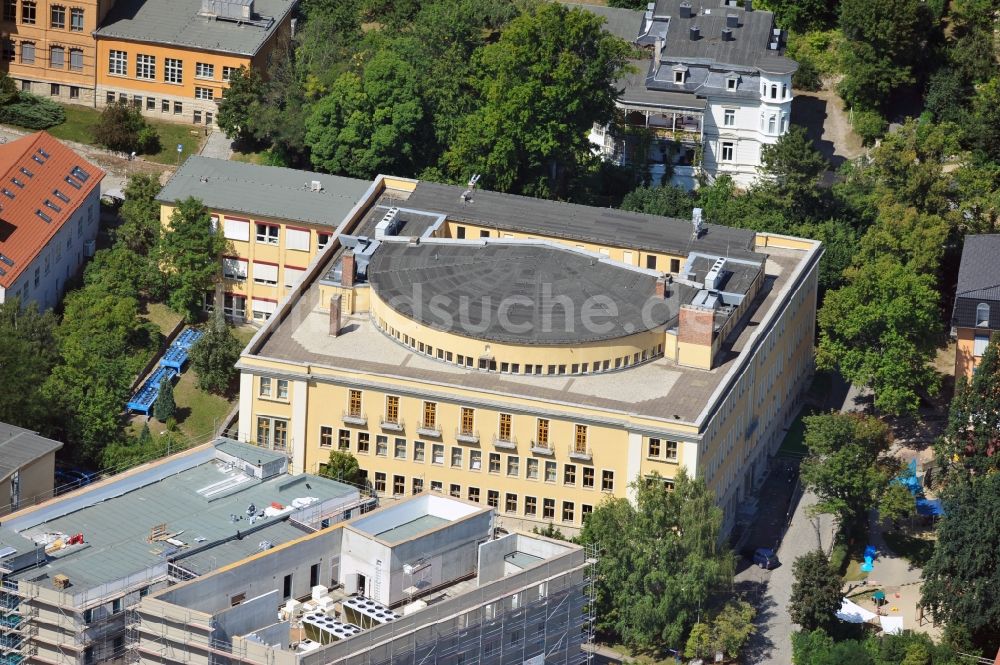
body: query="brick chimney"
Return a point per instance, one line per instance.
(335, 312)
(661, 288)
(696, 325)
(347, 270)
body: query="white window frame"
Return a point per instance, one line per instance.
(731, 83)
(173, 70)
(204, 70)
(297, 239)
(267, 237)
(731, 147)
(204, 93)
(729, 117)
(145, 66)
(118, 63)
(262, 309)
(234, 268)
(293, 275)
(236, 229)
(265, 273)
(980, 342)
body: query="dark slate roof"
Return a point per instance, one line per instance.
(748, 48)
(636, 90)
(978, 280)
(20, 447)
(177, 23)
(623, 23)
(267, 191)
(516, 291)
(606, 226)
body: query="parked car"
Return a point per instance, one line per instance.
(765, 558)
(67, 480)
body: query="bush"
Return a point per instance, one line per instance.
(122, 128)
(32, 112)
(806, 77)
(870, 125)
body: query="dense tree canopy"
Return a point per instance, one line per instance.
(816, 593)
(27, 354)
(972, 440)
(648, 593)
(189, 257)
(214, 355)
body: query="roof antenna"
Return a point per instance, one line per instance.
(467, 194)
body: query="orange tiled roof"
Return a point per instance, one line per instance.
(27, 222)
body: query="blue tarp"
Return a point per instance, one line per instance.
(145, 397)
(930, 507)
(187, 338)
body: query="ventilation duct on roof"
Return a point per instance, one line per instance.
(685, 10)
(748, 5)
(694, 32)
(727, 34)
(234, 10)
(732, 21)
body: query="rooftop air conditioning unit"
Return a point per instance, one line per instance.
(316, 186)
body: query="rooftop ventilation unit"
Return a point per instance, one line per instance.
(315, 186)
(727, 34)
(732, 21)
(694, 32)
(685, 10)
(748, 5)
(715, 274)
(264, 545)
(696, 223)
(233, 10)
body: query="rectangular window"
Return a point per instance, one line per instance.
(118, 63)
(363, 442)
(54, 89)
(57, 57)
(542, 432)
(532, 468)
(550, 472)
(178, 108)
(654, 448)
(494, 462)
(354, 403)
(76, 20)
(437, 453)
(474, 494)
(282, 389)
(28, 11)
(456, 457)
(510, 504)
(165, 108)
(272, 433)
(227, 73)
(382, 445)
(979, 345)
(475, 460)
(730, 84)
(607, 481)
(75, 62)
(468, 420)
(671, 450)
(530, 506)
(399, 448)
(297, 239)
(233, 268)
(398, 485)
(504, 429)
(418, 451)
(437, 486)
(729, 117)
(588, 476)
(513, 465)
(325, 437)
(204, 93)
(204, 70)
(455, 491)
(236, 229)
(567, 511)
(344, 439)
(430, 415)
(265, 273)
(492, 498)
(549, 509)
(27, 57)
(380, 482)
(322, 240)
(145, 66)
(8, 50)
(727, 151)
(392, 409)
(58, 14)
(569, 474)
(173, 70)
(418, 485)
(265, 386)
(268, 233)
(580, 439)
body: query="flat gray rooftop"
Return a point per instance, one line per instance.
(517, 291)
(20, 447)
(177, 23)
(116, 529)
(410, 529)
(606, 226)
(622, 23)
(264, 191)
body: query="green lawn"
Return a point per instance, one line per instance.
(199, 414)
(81, 120)
(161, 315)
(793, 445)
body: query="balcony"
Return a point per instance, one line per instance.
(429, 430)
(542, 448)
(355, 418)
(392, 424)
(581, 453)
(468, 436)
(508, 442)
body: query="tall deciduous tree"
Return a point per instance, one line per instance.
(28, 352)
(848, 466)
(238, 107)
(189, 255)
(214, 355)
(342, 466)
(815, 592)
(140, 214)
(961, 578)
(881, 330)
(649, 593)
(544, 84)
(732, 627)
(972, 440)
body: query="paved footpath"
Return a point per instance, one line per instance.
(218, 146)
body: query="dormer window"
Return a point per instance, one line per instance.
(731, 83)
(982, 315)
(680, 73)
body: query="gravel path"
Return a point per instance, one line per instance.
(828, 124)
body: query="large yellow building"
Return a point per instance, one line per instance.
(533, 355)
(275, 221)
(173, 58)
(49, 47)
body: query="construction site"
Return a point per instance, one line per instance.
(73, 569)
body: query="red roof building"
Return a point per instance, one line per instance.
(49, 217)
